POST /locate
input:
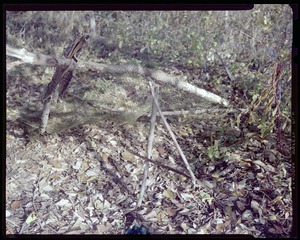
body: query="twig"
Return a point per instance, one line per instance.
(149, 151)
(231, 77)
(159, 164)
(173, 136)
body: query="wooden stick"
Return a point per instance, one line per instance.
(173, 136)
(149, 151)
(231, 77)
(159, 164)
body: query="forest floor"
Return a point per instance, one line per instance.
(85, 181)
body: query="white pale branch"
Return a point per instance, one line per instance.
(36, 58)
(127, 68)
(156, 75)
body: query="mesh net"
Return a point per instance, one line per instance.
(121, 99)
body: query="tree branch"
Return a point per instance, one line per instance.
(37, 58)
(157, 75)
(172, 135)
(126, 68)
(159, 164)
(149, 151)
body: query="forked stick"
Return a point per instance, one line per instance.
(149, 151)
(172, 135)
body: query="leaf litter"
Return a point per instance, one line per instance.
(84, 181)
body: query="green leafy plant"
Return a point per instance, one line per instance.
(216, 152)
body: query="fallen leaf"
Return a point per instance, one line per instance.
(235, 157)
(92, 178)
(106, 204)
(218, 221)
(128, 156)
(171, 159)
(278, 227)
(228, 210)
(91, 154)
(240, 205)
(102, 228)
(220, 228)
(272, 157)
(81, 177)
(185, 211)
(152, 215)
(286, 215)
(114, 143)
(255, 206)
(98, 204)
(266, 167)
(205, 197)
(55, 176)
(242, 184)
(169, 194)
(184, 226)
(55, 163)
(63, 203)
(183, 133)
(161, 216)
(77, 232)
(44, 186)
(247, 215)
(16, 204)
(7, 213)
(105, 156)
(161, 150)
(78, 164)
(106, 150)
(85, 166)
(192, 231)
(32, 217)
(186, 196)
(171, 212)
(48, 188)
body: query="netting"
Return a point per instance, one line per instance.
(121, 99)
